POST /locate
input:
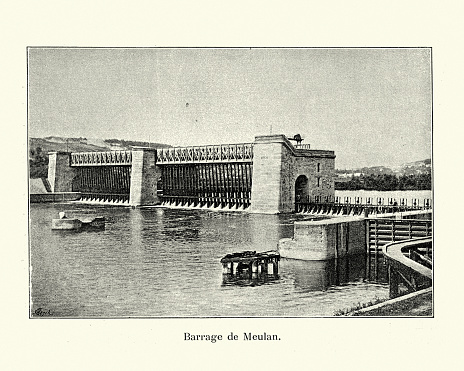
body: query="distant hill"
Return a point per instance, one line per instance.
(415, 175)
(51, 144)
(39, 148)
(417, 167)
(410, 168)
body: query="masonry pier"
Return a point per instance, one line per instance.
(350, 235)
(284, 175)
(325, 239)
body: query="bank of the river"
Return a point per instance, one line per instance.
(417, 304)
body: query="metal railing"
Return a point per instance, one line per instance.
(242, 152)
(101, 158)
(358, 205)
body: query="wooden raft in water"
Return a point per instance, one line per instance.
(251, 263)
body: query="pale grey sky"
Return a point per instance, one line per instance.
(372, 106)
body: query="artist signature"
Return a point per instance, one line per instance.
(41, 312)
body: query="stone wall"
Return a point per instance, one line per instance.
(144, 177)
(60, 173)
(266, 186)
(54, 197)
(325, 239)
(319, 171)
(276, 166)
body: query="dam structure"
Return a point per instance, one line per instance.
(269, 176)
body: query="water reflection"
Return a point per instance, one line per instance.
(307, 276)
(246, 279)
(320, 275)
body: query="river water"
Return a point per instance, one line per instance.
(159, 262)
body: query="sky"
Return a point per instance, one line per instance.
(371, 106)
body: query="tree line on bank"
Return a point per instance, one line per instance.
(387, 182)
(38, 163)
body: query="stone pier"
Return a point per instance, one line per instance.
(60, 172)
(283, 174)
(325, 239)
(144, 177)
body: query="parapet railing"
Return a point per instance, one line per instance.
(413, 203)
(356, 206)
(302, 146)
(101, 158)
(409, 265)
(242, 152)
(387, 201)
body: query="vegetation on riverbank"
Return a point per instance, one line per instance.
(38, 163)
(358, 306)
(416, 306)
(387, 182)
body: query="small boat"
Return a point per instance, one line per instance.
(75, 224)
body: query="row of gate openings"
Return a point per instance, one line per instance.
(213, 183)
(108, 183)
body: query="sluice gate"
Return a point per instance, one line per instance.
(206, 185)
(104, 183)
(102, 176)
(206, 176)
(268, 176)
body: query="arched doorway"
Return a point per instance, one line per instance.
(301, 189)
